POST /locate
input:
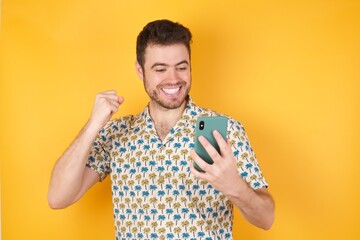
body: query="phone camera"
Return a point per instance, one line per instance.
(201, 125)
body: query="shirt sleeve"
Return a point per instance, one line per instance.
(247, 163)
(99, 156)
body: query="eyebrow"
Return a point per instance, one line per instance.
(165, 65)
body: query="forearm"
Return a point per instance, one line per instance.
(68, 172)
(257, 206)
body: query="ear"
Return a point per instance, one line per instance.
(139, 71)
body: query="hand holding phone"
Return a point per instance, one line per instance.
(205, 127)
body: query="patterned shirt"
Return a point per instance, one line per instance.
(154, 194)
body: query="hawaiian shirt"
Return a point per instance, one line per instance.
(154, 194)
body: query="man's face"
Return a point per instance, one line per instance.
(166, 74)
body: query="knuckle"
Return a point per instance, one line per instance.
(211, 178)
(206, 144)
(195, 173)
(204, 167)
(213, 154)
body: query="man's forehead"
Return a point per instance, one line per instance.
(171, 54)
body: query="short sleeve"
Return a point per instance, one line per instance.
(99, 157)
(247, 163)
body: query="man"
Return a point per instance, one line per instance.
(156, 191)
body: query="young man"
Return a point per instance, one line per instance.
(156, 191)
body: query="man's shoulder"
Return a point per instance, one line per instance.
(233, 124)
(204, 112)
(199, 111)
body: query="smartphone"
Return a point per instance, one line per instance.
(205, 127)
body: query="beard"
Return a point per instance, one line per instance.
(169, 103)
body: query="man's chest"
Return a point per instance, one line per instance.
(143, 152)
(152, 183)
(143, 165)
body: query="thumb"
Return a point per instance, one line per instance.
(121, 99)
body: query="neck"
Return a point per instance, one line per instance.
(165, 119)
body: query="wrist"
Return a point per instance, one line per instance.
(91, 129)
(240, 192)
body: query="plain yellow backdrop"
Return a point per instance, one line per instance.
(288, 70)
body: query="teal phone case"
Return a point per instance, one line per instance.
(209, 124)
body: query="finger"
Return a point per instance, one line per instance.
(224, 145)
(113, 108)
(213, 153)
(114, 100)
(108, 104)
(109, 92)
(109, 97)
(114, 104)
(199, 161)
(196, 173)
(105, 99)
(121, 99)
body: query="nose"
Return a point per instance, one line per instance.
(173, 75)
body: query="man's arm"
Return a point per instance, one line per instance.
(257, 206)
(70, 177)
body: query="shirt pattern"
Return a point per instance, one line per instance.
(154, 194)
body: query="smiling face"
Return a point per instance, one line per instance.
(166, 75)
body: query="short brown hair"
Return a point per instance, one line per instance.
(161, 32)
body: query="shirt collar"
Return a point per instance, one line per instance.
(144, 120)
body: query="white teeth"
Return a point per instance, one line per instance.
(171, 90)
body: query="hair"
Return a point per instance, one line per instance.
(161, 32)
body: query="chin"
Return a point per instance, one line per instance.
(167, 102)
(174, 104)
(171, 105)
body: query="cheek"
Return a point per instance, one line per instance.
(151, 80)
(187, 77)
(156, 79)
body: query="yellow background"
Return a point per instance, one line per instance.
(288, 70)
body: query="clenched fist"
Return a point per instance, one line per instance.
(106, 104)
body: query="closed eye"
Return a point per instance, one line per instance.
(182, 68)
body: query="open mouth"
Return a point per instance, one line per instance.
(171, 90)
